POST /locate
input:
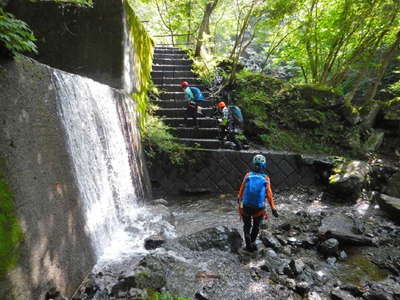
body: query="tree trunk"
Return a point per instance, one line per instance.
(204, 27)
(386, 59)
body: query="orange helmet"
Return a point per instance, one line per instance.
(221, 104)
(184, 84)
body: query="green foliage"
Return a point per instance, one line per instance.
(163, 296)
(15, 34)
(158, 140)
(281, 117)
(10, 231)
(143, 59)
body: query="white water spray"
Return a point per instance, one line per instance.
(109, 191)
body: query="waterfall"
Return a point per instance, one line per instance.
(110, 187)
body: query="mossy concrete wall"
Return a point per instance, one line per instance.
(55, 250)
(222, 171)
(83, 41)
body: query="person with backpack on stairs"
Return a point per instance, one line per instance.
(194, 96)
(229, 122)
(254, 192)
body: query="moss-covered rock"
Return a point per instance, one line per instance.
(10, 231)
(322, 96)
(301, 118)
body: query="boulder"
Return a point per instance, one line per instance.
(329, 247)
(349, 179)
(302, 287)
(270, 241)
(345, 229)
(220, 237)
(393, 187)
(391, 205)
(381, 179)
(153, 242)
(387, 289)
(338, 294)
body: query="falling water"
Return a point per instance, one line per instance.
(109, 185)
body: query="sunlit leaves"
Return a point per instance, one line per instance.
(15, 34)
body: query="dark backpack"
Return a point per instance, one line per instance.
(198, 95)
(236, 115)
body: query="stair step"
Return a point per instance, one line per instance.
(175, 88)
(167, 50)
(180, 112)
(203, 122)
(178, 80)
(179, 103)
(201, 143)
(172, 68)
(172, 74)
(178, 95)
(172, 61)
(192, 133)
(170, 56)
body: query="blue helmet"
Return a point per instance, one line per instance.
(260, 161)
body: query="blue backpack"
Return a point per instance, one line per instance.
(236, 115)
(255, 190)
(198, 95)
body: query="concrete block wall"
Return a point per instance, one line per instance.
(83, 41)
(222, 171)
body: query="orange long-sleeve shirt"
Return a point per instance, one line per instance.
(268, 195)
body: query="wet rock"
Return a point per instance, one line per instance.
(270, 241)
(164, 212)
(352, 289)
(268, 252)
(302, 287)
(297, 266)
(220, 237)
(343, 228)
(153, 242)
(349, 179)
(137, 293)
(380, 178)
(331, 260)
(329, 247)
(308, 241)
(159, 201)
(387, 289)
(287, 250)
(391, 205)
(342, 255)
(285, 226)
(338, 294)
(201, 295)
(54, 294)
(393, 187)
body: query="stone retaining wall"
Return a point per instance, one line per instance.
(221, 171)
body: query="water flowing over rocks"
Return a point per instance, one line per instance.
(314, 250)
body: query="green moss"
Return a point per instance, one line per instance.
(162, 296)
(357, 269)
(143, 58)
(10, 231)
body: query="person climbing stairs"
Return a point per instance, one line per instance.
(171, 66)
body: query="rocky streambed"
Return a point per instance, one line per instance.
(316, 249)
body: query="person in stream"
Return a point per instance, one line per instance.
(193, 96)
(254, 191)
(227, 124)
